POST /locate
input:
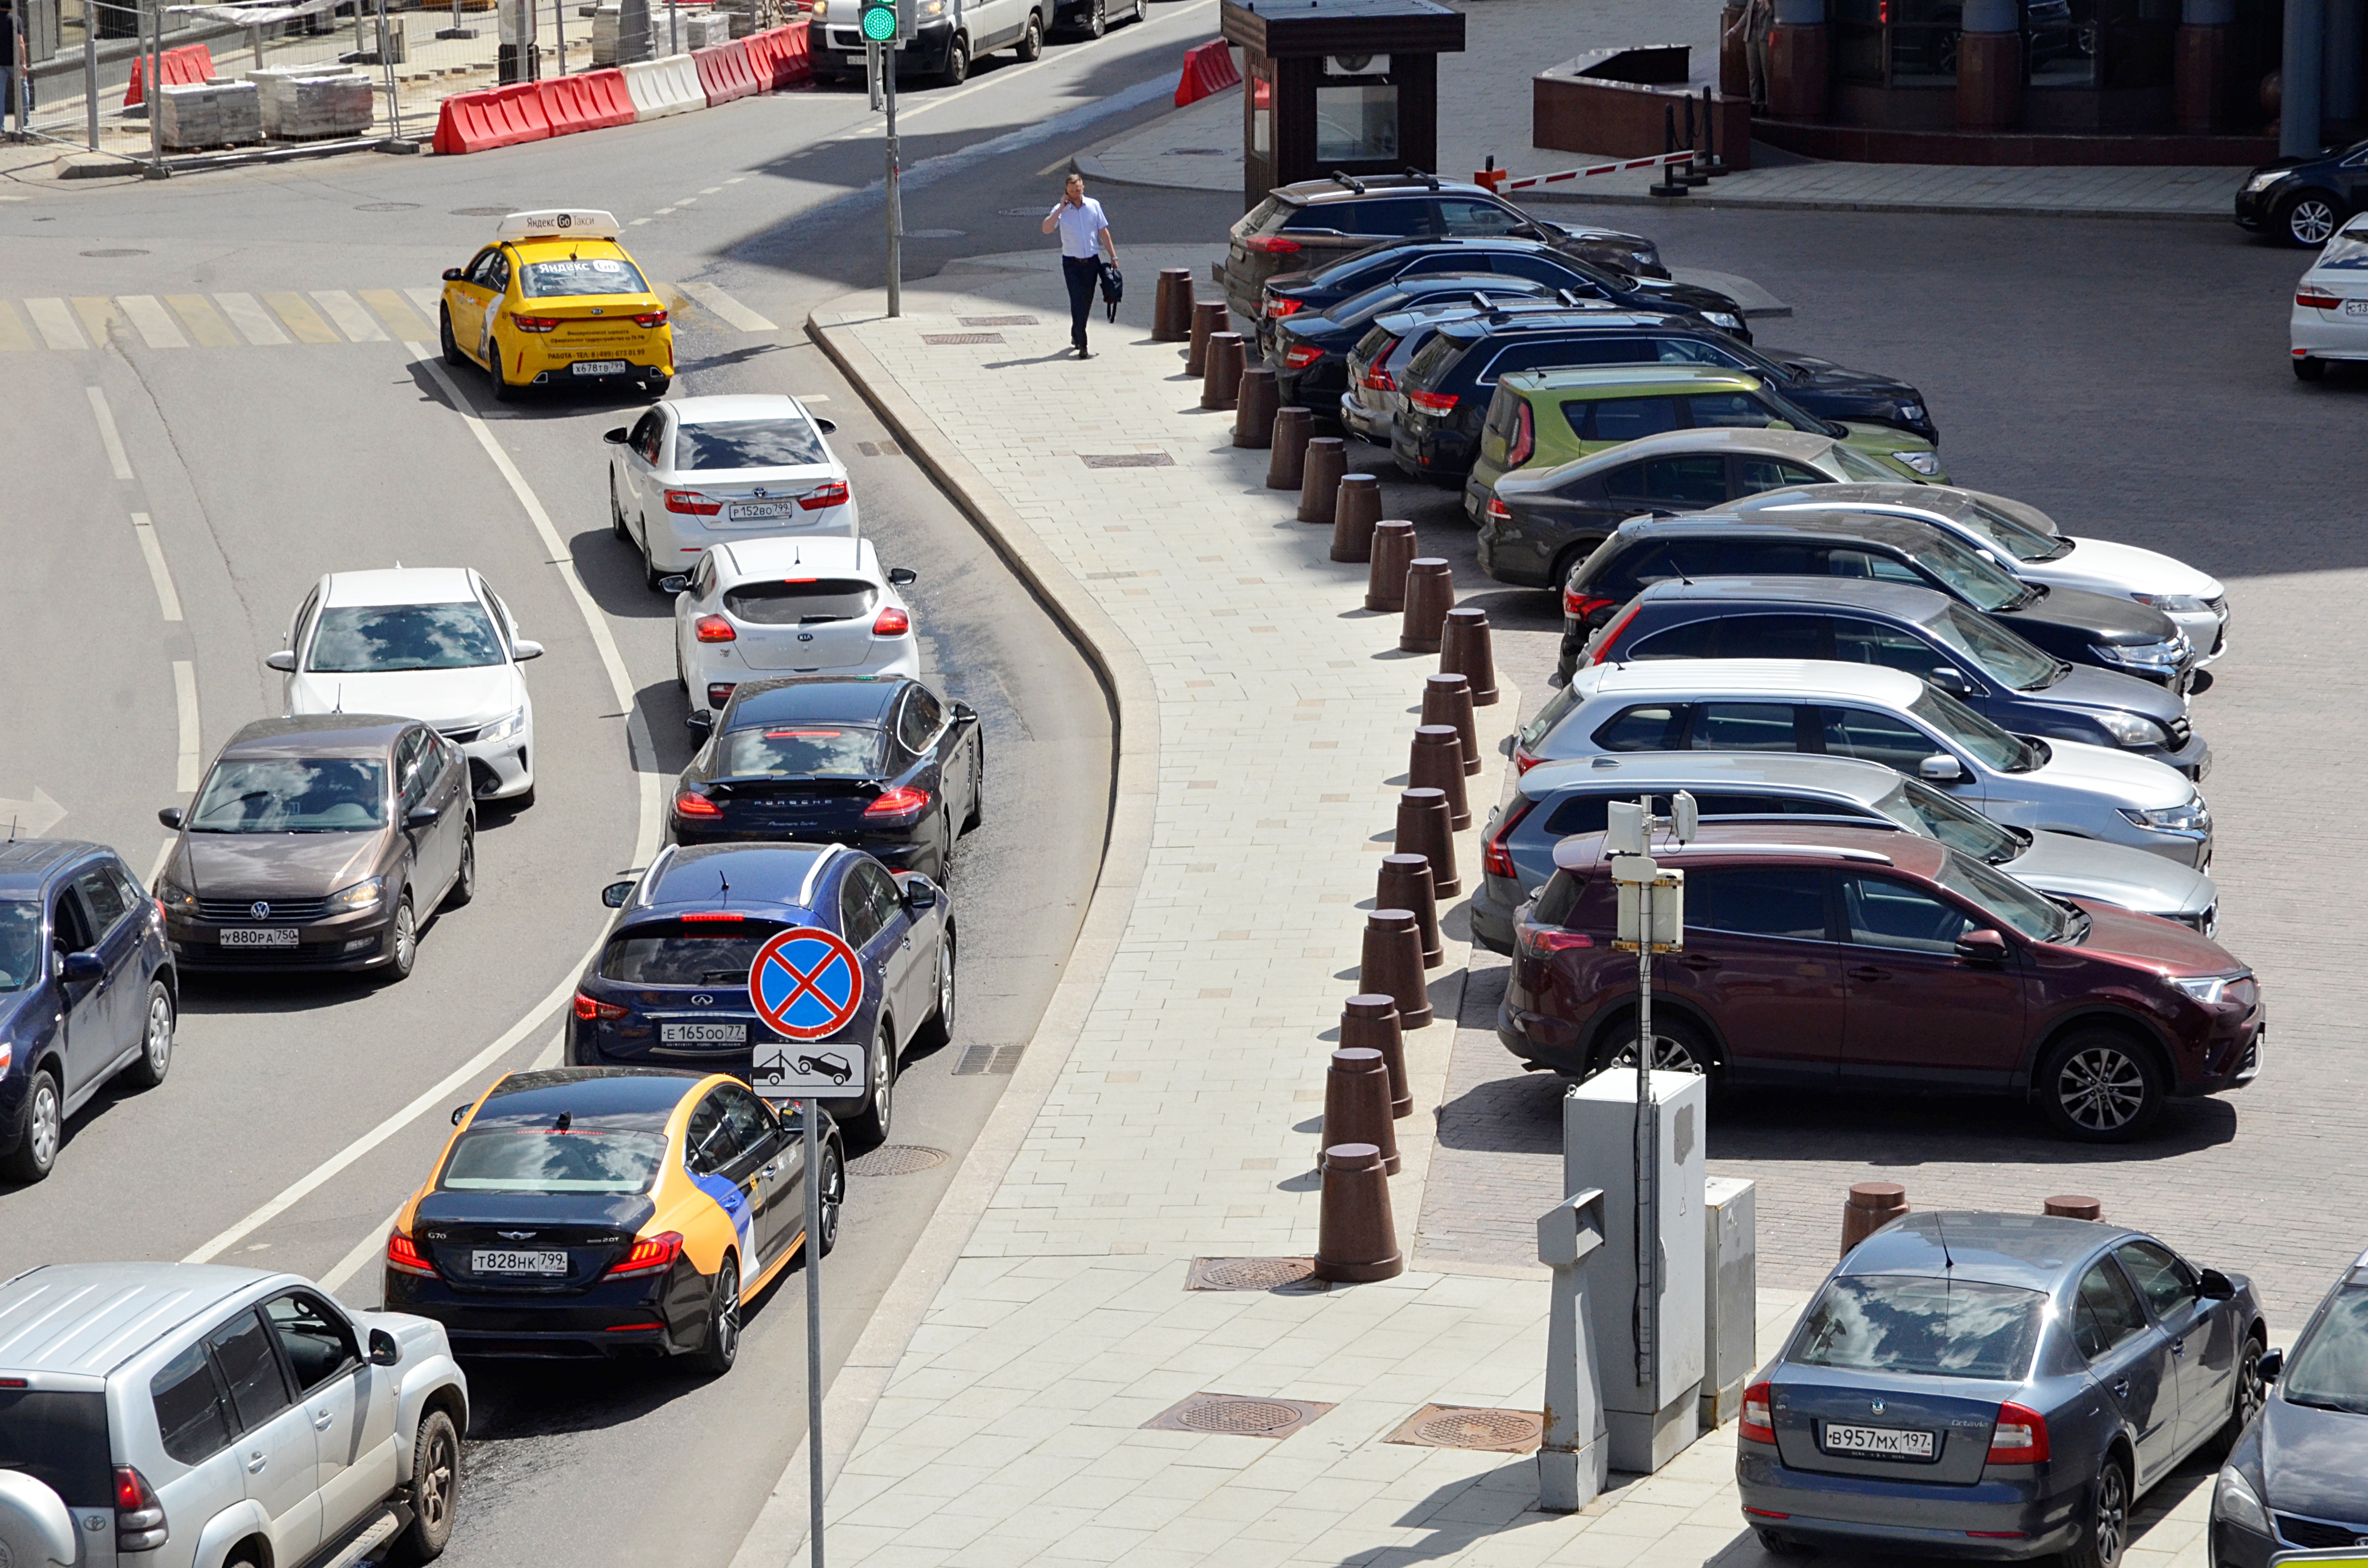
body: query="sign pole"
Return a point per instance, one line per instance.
(1647, 1230)
(811, 1115)
(895, 198)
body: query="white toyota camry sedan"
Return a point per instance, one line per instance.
(785, 606)
(699, 470)
(2331, 306)
(434, 643)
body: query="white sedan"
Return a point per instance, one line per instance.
(2330, 308)
(699, 470)
(434, 643)
(760, 608)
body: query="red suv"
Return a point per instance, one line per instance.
(1822, 955)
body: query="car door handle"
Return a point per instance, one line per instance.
(255, 1462)
(322, 1420)
(771, 1169)
(2121, 1388)
(1863, 973)
(2178, 1346)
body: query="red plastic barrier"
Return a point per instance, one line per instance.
(1208, 68)
(724, 73)
(765, 58)
(793, 58)
(189, 66)
(499, 117)
(607, 101)
(563, 107)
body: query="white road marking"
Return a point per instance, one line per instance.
(688, 201)
(735, 179)
(366, 1252)
(346, 311)
(107, 433)
(184, 696)
(637, 223)
(167, 599)
(730, 309)
(429, 300)
(1003, 77)
(710, 190)
(55, 323)
(152, 321)
(254, 322)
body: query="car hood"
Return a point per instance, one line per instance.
(2086, 686)
(273, 865)
(446, 699)
(2099, 617)
(2151, 941)
(2312, 1461)
(1689, 297)
(2139, 782)
(18, 1006)
(2119, 569)
(1824, 375)
(2071, 867)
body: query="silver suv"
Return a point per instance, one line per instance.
(190, 1415)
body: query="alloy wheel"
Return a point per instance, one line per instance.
(2112, 1519)
(434, 1502)
(1670, 1055)
(159, 1041)
(2101, 1088)
(44, 1128)
(833, 1192)
(2252, 1391)
(725, 1329)
(945, 987)
(406, 937)
(2311, 221)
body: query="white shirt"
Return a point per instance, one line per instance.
(1081, 227)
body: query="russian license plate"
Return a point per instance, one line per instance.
(2355, 307)
(1879, 1442)
(600, 367)
(487, 1260)
(260, 937)
(748, 511)
(702, 1034)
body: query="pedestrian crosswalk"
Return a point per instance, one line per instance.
(287, 318)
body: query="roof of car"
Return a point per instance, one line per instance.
(1590, 315)
(1500, 303)
(722, 877)
(401, 585)
(1901, 601)
(318, 734)
(1799, 445)
(1601, 377)
(88, 1318)
(1317, 191)
(1952, 500)
(1633, 772)
(2031, 1251)
(793, 558)
(1788, 840)
(26, 863)
(585, 1093)
(1831, 524)
(846, 700)
(735, 406)
(1691, 680)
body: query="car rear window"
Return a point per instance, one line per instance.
(747, 443)
(685, 952)
(1431, 363)
(1622, 419)
(1262, 216)
(581, 274)
(1885, 1323)
(796, 604)
(801, 751)
(1558, 899)
(576, 1158)
(59, 1439)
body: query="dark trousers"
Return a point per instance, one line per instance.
(1084, 275)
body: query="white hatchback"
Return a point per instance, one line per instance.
(2330, 303)
(783, 607)
(699, 470)
(429, 642)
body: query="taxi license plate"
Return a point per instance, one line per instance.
(600, 367)
(2355, 307)
(260, 937)
(484, 1260)
(702, 1034)
(1879, 1442)
(749, 511)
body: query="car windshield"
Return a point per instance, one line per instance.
(2034, 914)
(287, 794)
(2329, 1369)
(1858, 468)
(20, 943)
(1920, 808)
(694, 952)
(510, 1158)
(2348, 252)
(801, 751)
(580, 275)
(2012, 535)
(375, 639)
(2001, 654)
(1981, 583)
(1887, 1322)
(1960, 723)
(747, 443)
(59, 1439)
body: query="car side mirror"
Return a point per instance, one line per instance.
(676, 582)
(698, 721)
(903, 576)
(460, 1112)
(965, 714)
(1939, 769)
(920, 894)
(171, 817)
(419, 816)
(384, 1351)
(618, 437)
(1982, 946)
(2214, 1285)
(452, 275)
(284, 661)
(522, 650)
(615, 894)
(81, 968)
(2272, 1363)
(827, 426)
(1949, 680)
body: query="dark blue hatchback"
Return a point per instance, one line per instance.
(87, 992)
(670, 986)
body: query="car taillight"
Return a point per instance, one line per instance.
(650, 1255)
(1582, 606)
(1298, 356)
(1496, 859)
(718, 693)
(1525, 437)
(831, 495)
(2019, 1436)
(1757, 1425)
(1270, 244)
(903, 804)
(1544, 942)
(403, 1256)
(1379, 380)
(533, 324)
(691, 803)
(139, 1517)
(713, 629)
(656, 318)
(692, 503)
(2317, 300)
(1611, 634)
(1499, 512)
(1523, 760)
(1276, 308)
(591, 1010)
(893, 622)
(1433, 402)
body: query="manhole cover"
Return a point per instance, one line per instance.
(942, 339)
(115, 253)
(481, 211)
(935, 233)
(386, 207)
(1461, 1426)
(1002, 1060)
(897, 1159)
(1251, 1273)
(1198, 152)
(1239, 1415)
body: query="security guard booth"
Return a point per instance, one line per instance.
(1338, 85)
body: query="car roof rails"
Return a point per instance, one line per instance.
(1352, 181)
(1429, 179)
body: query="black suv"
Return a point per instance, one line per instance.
(2071, 623)
(1309, 349)
(1307, 224)
(2301, 201)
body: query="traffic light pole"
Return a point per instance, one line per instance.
(896, 195)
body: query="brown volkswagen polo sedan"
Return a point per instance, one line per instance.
(320, 843)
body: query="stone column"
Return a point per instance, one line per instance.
(2198, 72)
(2298, 79)
(1989, 67)
(1799, 58)
(2340, 84)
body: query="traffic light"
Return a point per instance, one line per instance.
(878, 20)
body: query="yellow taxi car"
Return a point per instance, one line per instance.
(555, 298)
(605, 1211)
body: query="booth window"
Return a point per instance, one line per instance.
(1261, 114)
(1355, 121)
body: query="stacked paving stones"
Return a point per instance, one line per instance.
(212, 114)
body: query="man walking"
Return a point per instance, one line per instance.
(1084, 235)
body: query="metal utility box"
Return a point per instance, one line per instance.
(1730, 1296)
(1649, 1419)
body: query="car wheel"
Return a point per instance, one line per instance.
(681, 681)
(155, 1057)
(505, 390)
(1031, 43)
(940, 1029)
(1678, 1047)
(1142, 8)
(435, 1485)
(723, 1346)
(651, 575)
(2107, 1529)
(977, 811)
(1776, 1545)
(452, 354)
(2100, 1086)
(1097, 21)
(2252, 1391)
(834, 1197)
(41, 1127)
(2306, 219)
(2309, 369)
(957, 69)
(404, 935)
(617, 514)
(880, 1114)
(464, 883)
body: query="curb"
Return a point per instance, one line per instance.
(780, 1526)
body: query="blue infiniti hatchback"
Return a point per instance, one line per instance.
(2000, 1386)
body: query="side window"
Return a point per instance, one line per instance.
(1693, 641)
(1462, 216)
(2161, 1278)
(644, 439)
(1342, 217)
(922, 719)
(752, 1127)
(1580, 813)
(1715, 805)
(1744, 726)
(1753, 475)
(1864, 563)
(1885, 914)
(1444, 264)
(192, 1412)
(1542, 268)
(1756, 902)
(1773, 636)
(1871, 642)
(708, 1142)
(1694, 351)
(501, 274)
(69, 927)
(1644, 729)
(318, 1343)
(1876, 737)
(1729, 410)
(258, 1391)
(1762, 558)
(102, 897)
(502, 617)
(702, 576)
(855, 917)
(881, 888)
(1695, 483)
(2106, 1312)
(411, 775)
(1626, 484)
(481, 270)
(1623, 419)
(134, 896)
(303, 614)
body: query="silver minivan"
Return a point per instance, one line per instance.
(194, 1416)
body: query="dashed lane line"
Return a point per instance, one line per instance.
(107, 436)
(185, 697)
(167, 601)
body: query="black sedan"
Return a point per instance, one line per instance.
(1309, 352)
(2293, 1481)
(2301, 201)
(879, 762)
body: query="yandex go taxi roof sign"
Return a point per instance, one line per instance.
(559, 223)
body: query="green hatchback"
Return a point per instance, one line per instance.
(1544, 418)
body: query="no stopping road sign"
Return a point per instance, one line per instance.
(806, 983)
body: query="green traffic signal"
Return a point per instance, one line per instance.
(878, 22)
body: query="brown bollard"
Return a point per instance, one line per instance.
(1290, 451)
(1429, 593)
(1357, 1103)
(1423, 830)
(1356, 1239)
(1371, 1021)
(1392, 548)
(1209, 317)
(1392, 965)
(1320, 478)
(2064, 1204)
(1356, 510)
(1871, 1206)
(1436, 762)
(1254, 407)
(1405, 884)
(1220, 383)
(1172, 308)
(1447, 699)
(1464, 651)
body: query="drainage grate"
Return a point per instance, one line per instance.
(114, 253)
(482, 212)
(387, 207)
(897, 1159)
(1236, 1415)
(1200, 152)
(997, 321)
(1253, 1274)
(1129, 460)
(998, 1059)
(880, 448)
(934, 233)
(1463, 1426)
(946, 339)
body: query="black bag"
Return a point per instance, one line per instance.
(1113, 289)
